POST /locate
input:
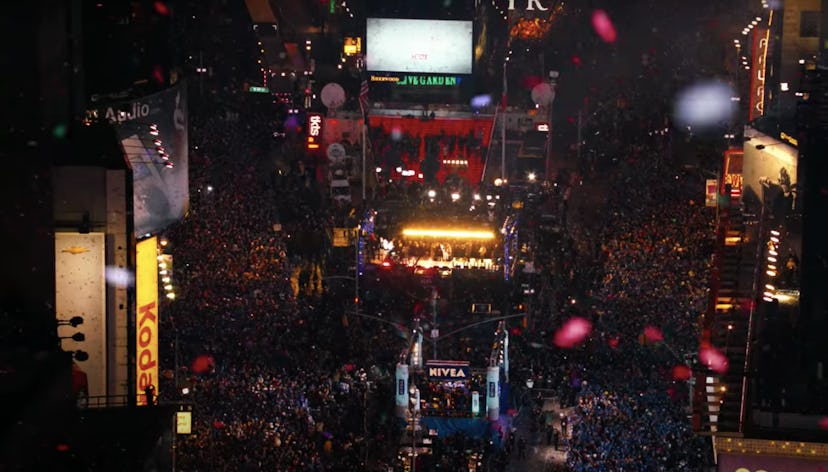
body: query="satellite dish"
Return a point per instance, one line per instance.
(543, 94)
(333, 95)
(336, 153)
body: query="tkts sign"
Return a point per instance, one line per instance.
(314, 138)
(530, 5)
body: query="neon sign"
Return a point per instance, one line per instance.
(757, 80)
(419, 80)
(314, 139)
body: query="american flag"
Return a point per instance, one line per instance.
(363, 97)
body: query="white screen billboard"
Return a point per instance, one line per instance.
(423, 46)
(80, 290)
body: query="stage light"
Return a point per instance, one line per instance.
(448, 233)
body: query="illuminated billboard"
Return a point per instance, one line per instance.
(80, 290)
(315, 133)
(153, 133)
(146, 317)
(767, 463)
(419, 46)
(769, 173)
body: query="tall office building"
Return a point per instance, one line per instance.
(767, 312)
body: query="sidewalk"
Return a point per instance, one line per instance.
(540, 457)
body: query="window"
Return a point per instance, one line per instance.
(809, 24)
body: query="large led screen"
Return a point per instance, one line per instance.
(147, 127)
(769, 173)
(423, 46)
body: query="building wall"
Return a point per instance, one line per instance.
(118, 237)
(793, 48)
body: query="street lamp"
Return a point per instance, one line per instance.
(77, 337)
(553, 82)
(74, 321)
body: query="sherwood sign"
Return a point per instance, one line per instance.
(447, 370)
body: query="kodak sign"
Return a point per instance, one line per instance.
(146, 318)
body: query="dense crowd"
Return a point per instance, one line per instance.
(284, 379)
(275, 382)
(641, 285)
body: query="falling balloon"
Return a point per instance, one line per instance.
(713, 359)
(119, 277)
(603, 27)
(572, 332)
(681, 372)
(481, 101)
(653, 334)
(202, 364)
(704, 105)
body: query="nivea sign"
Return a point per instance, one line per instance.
(447, 370)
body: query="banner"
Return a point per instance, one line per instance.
(733, 160)
(401, 390)
(342, 237)
(711, 193)
(80, 290)
(146, 318)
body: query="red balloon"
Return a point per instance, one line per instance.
(161, 8)
(713, 359)
(575, 330)
(602, 25)
(681, 372)
(202, 364)
(653, 334)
